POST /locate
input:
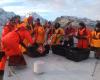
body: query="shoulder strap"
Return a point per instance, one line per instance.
(84, 32)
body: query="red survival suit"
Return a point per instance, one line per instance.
(7, 28)
(83, 38)
(10, 43)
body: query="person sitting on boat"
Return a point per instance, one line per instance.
(83, 35)
(95, 40)
(57, 37)
(69, 33)
(39, 49)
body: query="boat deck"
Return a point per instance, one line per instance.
(58, 68)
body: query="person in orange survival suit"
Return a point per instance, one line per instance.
(10, 44)
(69, 33)
(95, 40)
(58, 34)
(23, 50)
(7, 28)
(48, 31)
(83, 36)
(24, 23)
(18, 24)
(17, 21)
(30, 25)
(39, 49)
(57, 40)
(39, 33)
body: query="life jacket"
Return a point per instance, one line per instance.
(57, 36)
(12, 40)
(95, 39)
(24, 35)
(83, 38)
(6, 30)
(82, 32)
(20, 40)
(18, 26)
(59, 31)
(39, 35)
(25, 20)
(39, 38)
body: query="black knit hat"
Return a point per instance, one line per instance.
(57, 25)
(82, 24)
(98, 25)
(38, 20)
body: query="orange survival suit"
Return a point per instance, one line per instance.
(11, 41)
(7, 28)
(95, 40)
(83, 36)
(57, 36)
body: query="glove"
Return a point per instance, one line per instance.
(81, 37)
(78, 37)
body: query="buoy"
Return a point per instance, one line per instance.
(39, 67)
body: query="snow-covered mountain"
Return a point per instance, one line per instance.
(63, 20)
(4, 16)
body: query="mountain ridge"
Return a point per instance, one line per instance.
(63, 20)
(4, 16)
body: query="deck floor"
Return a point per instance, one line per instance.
(59, 68)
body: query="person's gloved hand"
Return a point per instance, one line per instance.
(81, 37)
(78, 37)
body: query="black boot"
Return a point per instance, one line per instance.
(1, 74)
(96, 56)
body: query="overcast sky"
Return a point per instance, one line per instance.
(50, 9)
